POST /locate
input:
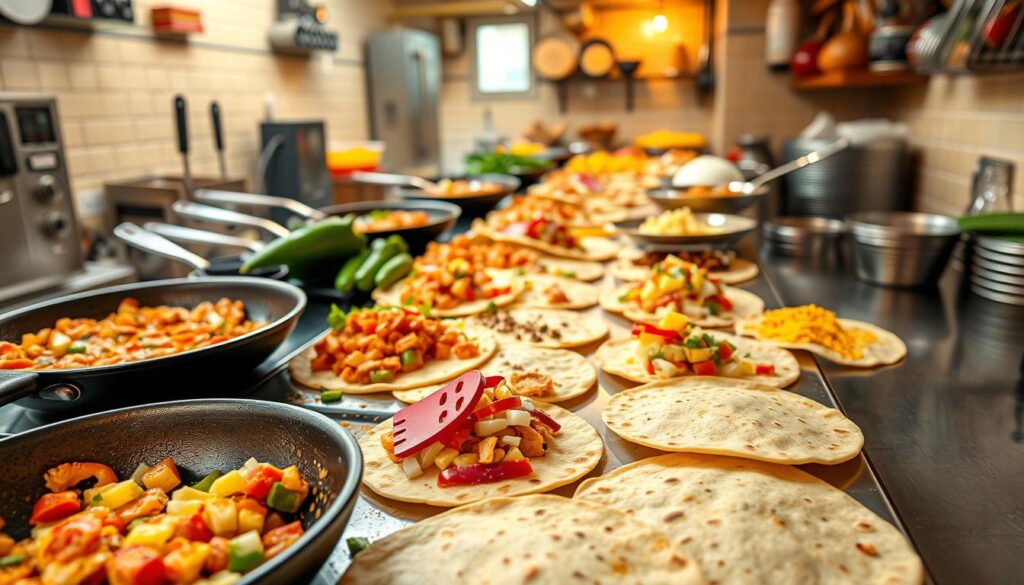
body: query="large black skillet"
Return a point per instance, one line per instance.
(194, 373)
(201, 436)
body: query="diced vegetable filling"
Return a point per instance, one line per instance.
(709, 260)
(132, 333)
(449, 275)
(370, 346)
(541, 219)
(676, 347)
(495, 442)
(140, 532)
(681, 286)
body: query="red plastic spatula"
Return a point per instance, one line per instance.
(418, 425)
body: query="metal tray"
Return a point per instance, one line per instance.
(375, 517)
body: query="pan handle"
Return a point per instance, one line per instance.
(145, 240)
(216, 196)
(16, 385)
(202, 212)
(393, 179)
(177, 233)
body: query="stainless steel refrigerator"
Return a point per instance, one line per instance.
(404, 79)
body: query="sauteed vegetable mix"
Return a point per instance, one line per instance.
(131, 334)
(150, 528)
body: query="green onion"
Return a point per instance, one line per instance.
(336, 318)
(76, 347)
(205, 483)
(356, 545)
(327, 396)
(692, 343)
(11, 560)
(520, 271)
(425, 309)
(492, 308)
(381, 376)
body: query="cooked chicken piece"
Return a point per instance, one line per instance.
(532, 384)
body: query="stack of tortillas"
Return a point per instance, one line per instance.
(733, 417)
(746, 521)
(530, 539)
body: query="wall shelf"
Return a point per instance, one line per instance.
(562, 86)
(854, 79)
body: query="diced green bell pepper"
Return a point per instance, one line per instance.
(205, 483)
(330, 396)
(410, 357)
(245, 552)
(283, 499)
(76, 347)
(11, 560)
(381, 376)
(356, 545)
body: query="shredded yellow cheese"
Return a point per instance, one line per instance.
(813, 324)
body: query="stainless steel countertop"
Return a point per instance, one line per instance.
(943, 429)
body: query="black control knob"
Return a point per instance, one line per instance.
(47, 190)
(56, 224)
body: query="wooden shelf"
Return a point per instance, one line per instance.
(852, 79)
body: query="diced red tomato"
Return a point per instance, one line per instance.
(493, 381)
(278, 539)
(722, 301)
(484, 473)
(547, 420)
(53, 507)
(649, 367)
(321, 363)
(195, 529)
(725, 351)
(496, 407)
(667, 335)
(136, 565)
(764, 369)
(705, 368)
(261, 479)
(16, 364)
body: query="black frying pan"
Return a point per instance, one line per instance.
(219, 367)
(201, 436)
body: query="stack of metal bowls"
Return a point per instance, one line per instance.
(803, 236)
(902, 249)
(865, 177)
(997, 270)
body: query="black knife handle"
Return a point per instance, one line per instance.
(218, 136)
(181, 116)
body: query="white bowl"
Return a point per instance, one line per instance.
(706, 171)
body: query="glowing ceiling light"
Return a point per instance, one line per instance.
(659, 23)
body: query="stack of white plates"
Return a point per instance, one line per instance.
(997, 270)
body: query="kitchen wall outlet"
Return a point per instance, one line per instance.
(91, 203)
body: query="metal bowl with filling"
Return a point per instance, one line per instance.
(709, 200)
(726, 230)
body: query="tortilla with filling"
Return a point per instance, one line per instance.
(619, 357)
(393, 296)
(887, 349)
(594, 249)
(744, 304)
(576, 449)
(723, 416)
(579, 295)
(433, 372)
(553, 328)
(746, 521)
(571, 374)
(578, 269)
(740, 269)
(531, 539)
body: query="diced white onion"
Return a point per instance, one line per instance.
(411, 468)
(489, 427)
(731, 370)
(511, 441)
(517, 418)
(426, 457)
(664, 369)
(526, 403)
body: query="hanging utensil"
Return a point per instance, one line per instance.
(218, 138)
(793, 165)
(181, 119)
(394, 180)
(202, 212)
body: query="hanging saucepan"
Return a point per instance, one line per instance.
(597, 58)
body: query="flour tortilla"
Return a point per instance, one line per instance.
(432, 372)
(571, 373)
(580, 295)
(594, 249)
(530, 539)
(740, 269)
(887, 349)
(615, 355)
(579, 269)
(745, 304)
(554, 328)
(723, 416)
(746, 521)
(575, 450)
(393, 296)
